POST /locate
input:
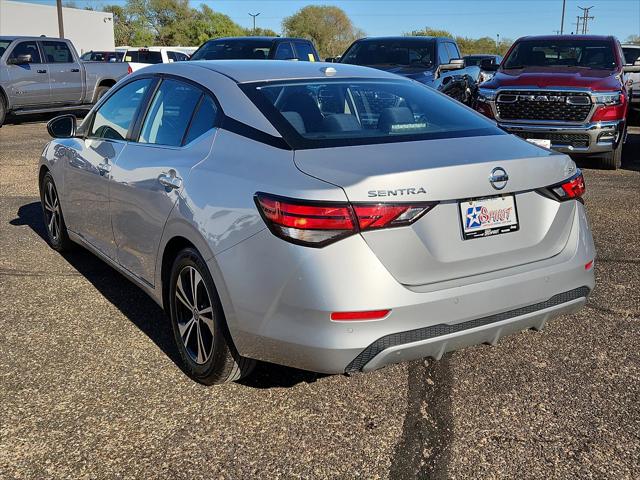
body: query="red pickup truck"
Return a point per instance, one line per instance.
(569, 93)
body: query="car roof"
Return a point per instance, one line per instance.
(246, 71)
(630, 45)
(567, 37)
(27, 37)
(258, 37)
(416, 39)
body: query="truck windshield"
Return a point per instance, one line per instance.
(593, 54)
(316, 114)
(3, 46)
(234, 50)
(403, 53)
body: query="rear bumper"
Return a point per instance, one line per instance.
(280, 312)
(602, 137)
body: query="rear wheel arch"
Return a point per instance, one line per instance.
(174, 246)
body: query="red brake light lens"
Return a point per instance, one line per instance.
(317, 224)
(571, 189)
(354, 316)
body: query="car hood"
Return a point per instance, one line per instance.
(545, 77)
(415, 72)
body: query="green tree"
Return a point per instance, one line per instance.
(467, 45)
(633, 39)
(328, 27)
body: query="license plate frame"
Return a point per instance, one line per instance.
(497, 227)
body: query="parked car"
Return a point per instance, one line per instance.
(631, 59)
(141, 57)
(257, 48)
(102, 56)
(566, 92)
(433, 61)
(328, 217)
(40, 74)
(483, 60)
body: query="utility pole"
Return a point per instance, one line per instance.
(497, 43)
(60, 23)
(578, 18)
(564, 4)
(254, 15)
(585, 19)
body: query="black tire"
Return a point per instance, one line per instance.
(3, 109)
(209, 357)
(612, 160)
(52, 215)
(100, 91)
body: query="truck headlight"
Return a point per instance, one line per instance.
(608, 98)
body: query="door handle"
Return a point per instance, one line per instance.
(42, 71)
(104, 168)
(170, 181)
(75, 70)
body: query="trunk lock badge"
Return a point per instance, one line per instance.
(498, 178)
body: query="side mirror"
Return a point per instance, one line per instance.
(635, 68)
(20, 60)
(63, 126)
(330, 59)
(488, 65)
(454, 64)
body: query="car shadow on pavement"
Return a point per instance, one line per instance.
(140, 309)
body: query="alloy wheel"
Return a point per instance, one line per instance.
(52, 211)
(195, 316)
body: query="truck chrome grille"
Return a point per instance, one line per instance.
(543, 105)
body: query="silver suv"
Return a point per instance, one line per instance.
(324, 216)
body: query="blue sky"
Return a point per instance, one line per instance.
(474, 18)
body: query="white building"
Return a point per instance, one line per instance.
(87, 30)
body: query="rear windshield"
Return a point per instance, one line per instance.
(312, 114)
(474, 61)
(592, 54)
(143, 56)
(234, 50)
(630, 55)
(403, 53)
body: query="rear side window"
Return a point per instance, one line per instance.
(143, 56)
(170, 113)
(284, 52)
(304, 52)
(203, 120)
(115, 116)
(27, 48)
(234, 50)
(57, 52)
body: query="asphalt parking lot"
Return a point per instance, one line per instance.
(89, 386)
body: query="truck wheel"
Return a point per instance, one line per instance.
(612, 160)
(3, 110)
(199, 326)
(100, 91)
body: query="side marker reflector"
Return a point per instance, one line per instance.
(588, 265)
(355, 316)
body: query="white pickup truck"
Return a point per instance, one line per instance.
(41, 74)
(139, 58)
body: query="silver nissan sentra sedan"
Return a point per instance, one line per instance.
(324, 216)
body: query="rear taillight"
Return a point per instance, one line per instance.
(571, 189)
(317, 224)
(129, 69)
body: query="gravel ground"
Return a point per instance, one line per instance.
(89, 387)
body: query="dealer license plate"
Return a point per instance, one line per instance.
(489, 216)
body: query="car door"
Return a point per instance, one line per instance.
(148, 176)
(65, 75)
(28, 83)
(87, 174)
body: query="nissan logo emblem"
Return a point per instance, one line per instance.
(498, 178)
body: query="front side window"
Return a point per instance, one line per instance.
(304, 52)
(233, 50)
(57, 52)
(341, 112)
(443, 54)
(453, 50)
(114, 118)
(284, 52)
(27, 48)
(591, 54)
(4, 44)
(403, 53)
(169, 114)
